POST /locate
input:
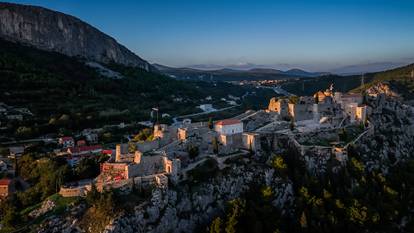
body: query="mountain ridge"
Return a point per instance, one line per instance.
(229, 74)
(54, 31)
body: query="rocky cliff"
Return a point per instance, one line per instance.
(58, 32)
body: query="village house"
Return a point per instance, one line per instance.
(229, 131)
(67, 142)
(6, 187)
(75, 154)
(16, 151)
(91, 135)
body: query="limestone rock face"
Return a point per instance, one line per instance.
(383, 88)
(53, 31)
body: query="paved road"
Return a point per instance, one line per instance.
(278, 90)
(30, 141)
(177, 122)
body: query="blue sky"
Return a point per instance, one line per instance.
(316, 35)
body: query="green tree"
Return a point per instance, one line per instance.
(144, 135)
(24, 132)
(87, 168)
(93, 195)
(10, 217)
(193, 151)
(216, 225)
(237, 207)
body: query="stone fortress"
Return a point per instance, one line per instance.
(309, 124)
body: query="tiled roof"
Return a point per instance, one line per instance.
(84, 148)
(5, 181)
(228, 122)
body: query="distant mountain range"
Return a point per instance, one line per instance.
(57, 32)
(367, 68)
(251, 71)
(228, 74)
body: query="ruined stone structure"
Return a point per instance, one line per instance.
(130, 165)
(301, 112)
(251, 141)
(280, 106)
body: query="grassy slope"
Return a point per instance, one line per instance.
(309, 86)
(399, 79)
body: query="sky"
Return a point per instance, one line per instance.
(314, 35)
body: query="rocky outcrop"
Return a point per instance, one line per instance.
(53, 31)
(382, 88)
(188, 208)
(392, 140)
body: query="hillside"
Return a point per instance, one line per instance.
(400, 79)
(54, 31)
(309, 86)
(51, 85)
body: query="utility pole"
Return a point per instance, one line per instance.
(156, 110)
(363, 80)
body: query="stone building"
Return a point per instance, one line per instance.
(301, 111)
(356, 113)
(229, 133)
(279, 106)
(131, 165)
(321, 95)
(344, 98)
(251, 141)
(192, 130)
(229, 127)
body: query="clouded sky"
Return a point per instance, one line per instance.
(317, 35)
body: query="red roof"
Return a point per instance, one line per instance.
(84, 148)
(228, 122)
(5, 181)
(108, 152)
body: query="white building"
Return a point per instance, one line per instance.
(229, 127)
